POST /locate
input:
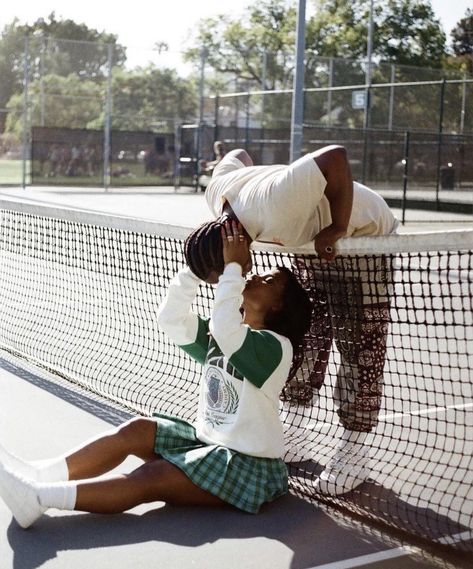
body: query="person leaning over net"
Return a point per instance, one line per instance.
(315, 199)
(233, 453)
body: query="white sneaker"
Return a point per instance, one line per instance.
(21, 497)
(296, 421)
(348, 468)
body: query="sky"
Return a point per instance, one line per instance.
(168, 21)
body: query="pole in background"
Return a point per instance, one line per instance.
(263, 89)
(247, 121)
(368, 72)
(439, 142)
(297, 115)
(26, 75)
(329, 92)
(203, 57)
(405, 176)
(391, 97)
(463, 107)
(41, 79)
(216, 117)
(107, 122)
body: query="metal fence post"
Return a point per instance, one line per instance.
(405, 176)
(107, 122)
(41, 84)
(369, 74)
(247, 122)
(439, 141)
(263, 89)
(216, 117)
(463, 109)
(329, 92)
(391, 96)
(198, 142)
(26, 74)
(237, 115)
(297, 115)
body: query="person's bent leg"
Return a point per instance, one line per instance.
(135, 437)
(361, 317)
(101, 454)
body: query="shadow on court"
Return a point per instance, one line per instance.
(311, 534)
(293, 532)
(377, 511)
(290, 521)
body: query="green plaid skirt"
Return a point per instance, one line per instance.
(244, 481)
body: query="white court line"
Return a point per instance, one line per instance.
(428, 411)
(390, 553)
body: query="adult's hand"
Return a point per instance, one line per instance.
(325, 242)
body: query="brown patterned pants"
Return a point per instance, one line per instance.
(351, 307)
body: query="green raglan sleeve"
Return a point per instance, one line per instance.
(198, 349)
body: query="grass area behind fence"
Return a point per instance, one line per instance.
(11, 172)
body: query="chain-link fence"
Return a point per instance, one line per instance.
(445, 105)
(401, 163)
(90, 113)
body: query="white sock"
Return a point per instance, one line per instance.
(51, 470)
(60, 495)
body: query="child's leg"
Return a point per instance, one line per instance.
(135, 437)
(157, 480)
(100, 455)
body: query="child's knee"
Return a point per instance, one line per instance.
(138, 430)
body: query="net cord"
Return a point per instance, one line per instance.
(446, 240)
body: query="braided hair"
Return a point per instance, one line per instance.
(294, 317)
(203, 250)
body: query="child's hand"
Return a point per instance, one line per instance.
(236, 247)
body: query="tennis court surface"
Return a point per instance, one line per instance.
(81, 351)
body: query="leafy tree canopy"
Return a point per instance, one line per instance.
(405, 32)
(55, 46)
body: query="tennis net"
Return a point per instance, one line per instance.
(79, 293)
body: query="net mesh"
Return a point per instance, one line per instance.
(390, 351)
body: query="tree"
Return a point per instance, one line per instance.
(57, 47)
(257, 46)
(462, 35)
(68, 102)
(462, 41)
(146, 95)
(140, 97)
(405, 31)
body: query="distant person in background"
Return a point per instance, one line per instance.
(206, 168)
(315, 199)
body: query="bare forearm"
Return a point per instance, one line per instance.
(333, 163)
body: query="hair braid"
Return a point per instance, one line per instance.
(203, 249)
